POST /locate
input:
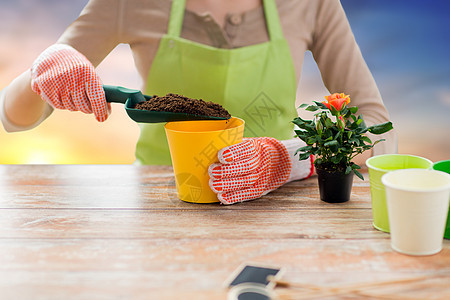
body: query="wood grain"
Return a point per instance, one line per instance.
(120, 232)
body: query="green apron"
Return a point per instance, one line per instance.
(256, 83)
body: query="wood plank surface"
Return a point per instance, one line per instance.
(120, 232)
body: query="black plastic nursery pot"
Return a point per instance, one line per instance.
(334, 186)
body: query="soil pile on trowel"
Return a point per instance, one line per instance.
(181, 104)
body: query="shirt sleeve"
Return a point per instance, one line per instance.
(97, 31)
(301, 169)
(11, 127)
(343, 69)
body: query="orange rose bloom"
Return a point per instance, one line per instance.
(338, 100)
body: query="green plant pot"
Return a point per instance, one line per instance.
(334, 187)
(444, 166)
(380, 165)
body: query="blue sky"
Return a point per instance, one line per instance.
(406, 45)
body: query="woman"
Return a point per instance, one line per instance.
(246, 55)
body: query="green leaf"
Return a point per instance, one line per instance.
(366, 139)
(321, 105)
(361, 130)
(304, 148)
(355, 140)
(299, 122)
(360, 122)
(336, 159)
(299, 132)
(333, 110)
(348, 170)
(336, 137)
(353, 109)
(312, 108)
(355, 166)
(311, 141)
(358, 174)
(303, 105)
(305, 125)
(380, 140)
(304, 156)
(332, 143)
(380, 128)
(347, 114)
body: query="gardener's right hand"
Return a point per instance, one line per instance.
(66, 79)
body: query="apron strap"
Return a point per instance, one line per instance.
(272, 20)
(176, 18)
(270, 12)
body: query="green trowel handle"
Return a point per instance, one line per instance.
(120, 94)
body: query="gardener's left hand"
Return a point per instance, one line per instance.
(253, 168)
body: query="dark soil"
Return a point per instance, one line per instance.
(181, 104)
(330, 167)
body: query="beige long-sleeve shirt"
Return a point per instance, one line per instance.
(319, 26)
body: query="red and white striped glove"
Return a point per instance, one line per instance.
(249, 170)
(66, 79)
(255, 167)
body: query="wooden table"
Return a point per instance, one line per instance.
(119, 232)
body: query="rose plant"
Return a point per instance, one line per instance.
(336, 135)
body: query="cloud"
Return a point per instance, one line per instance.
(444, 97)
